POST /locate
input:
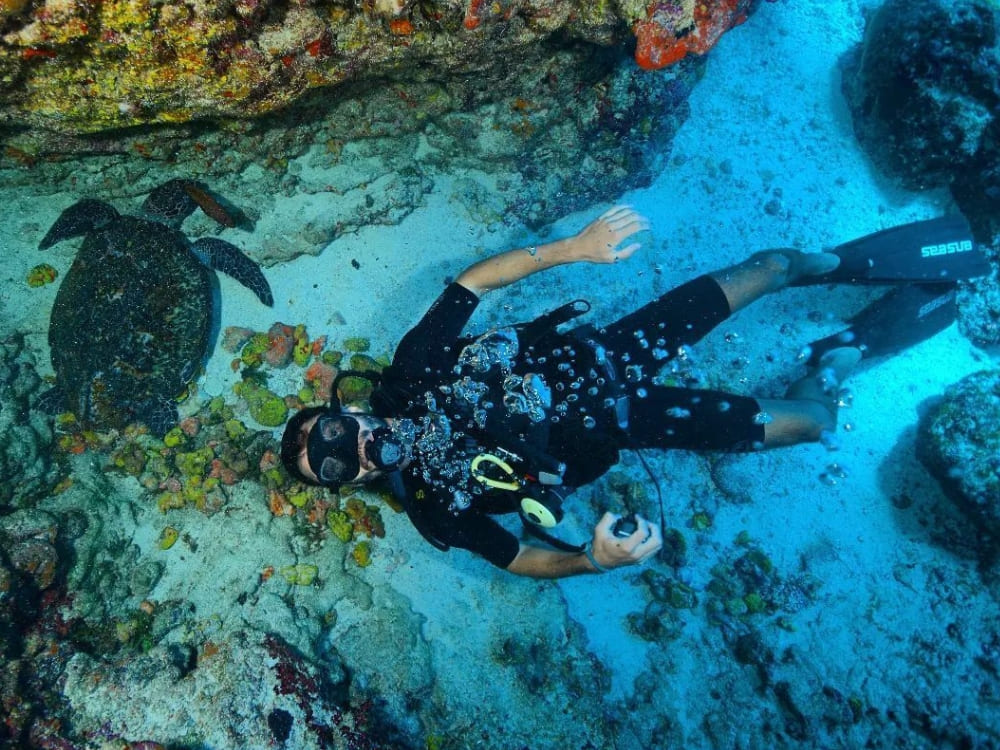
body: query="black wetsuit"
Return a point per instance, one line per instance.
(463, 410)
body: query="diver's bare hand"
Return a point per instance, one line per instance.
(601, 240)
(614, 552)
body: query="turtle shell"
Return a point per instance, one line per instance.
(131, 322)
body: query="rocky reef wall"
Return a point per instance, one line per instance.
(923, 89)
(76, 66)
(544, 97)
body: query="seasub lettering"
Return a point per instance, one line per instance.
(945, 248)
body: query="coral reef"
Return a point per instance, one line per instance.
(251, 690)
(26, 437)
(85, 67)
(555, 126)
(923, 90)
(959, 443)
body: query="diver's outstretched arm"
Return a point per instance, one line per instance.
(606, 549)
(599, 242)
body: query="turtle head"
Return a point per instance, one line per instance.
(175, 200)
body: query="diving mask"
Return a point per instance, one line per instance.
(334, 455)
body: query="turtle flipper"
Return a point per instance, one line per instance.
(226, 257)
(80, 218)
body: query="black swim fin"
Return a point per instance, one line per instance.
(905, 316)
(926, 252)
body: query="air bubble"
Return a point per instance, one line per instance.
(589, 422)
(829, 440)
(641, 392)
(762, 417)
(676, 412)
(836, 470)
(639, 334)
(724, 406)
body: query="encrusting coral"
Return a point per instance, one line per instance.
(212, 449)
(84, 67)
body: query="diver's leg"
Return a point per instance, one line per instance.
(683, 316)
(768, 271)
(696, 419)
(809, 408)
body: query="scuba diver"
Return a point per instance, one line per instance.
(463, 428)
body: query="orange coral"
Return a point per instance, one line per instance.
(401, 26)
(472, 14)
(660, 43)
(281, 340)
(269, 460)
(279, 504)
(320, 377)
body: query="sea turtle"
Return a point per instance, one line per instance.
(136, 313)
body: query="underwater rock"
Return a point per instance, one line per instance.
(82, 67)
(923, 89)
(26, 435)
(959, 443)
(27, 541)
(979, 303)
(543, 123)
(240, 692)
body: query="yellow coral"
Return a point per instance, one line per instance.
(300, 574)
(41, 275)
(362, 554)
(168, 537)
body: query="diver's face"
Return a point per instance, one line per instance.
(333, 448)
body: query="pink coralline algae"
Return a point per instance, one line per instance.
(333, 725)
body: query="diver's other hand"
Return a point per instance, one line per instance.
(601, 240)
(614, 552)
